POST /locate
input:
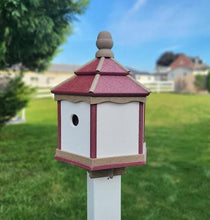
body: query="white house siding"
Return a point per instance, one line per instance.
(145, 78)
(45, 79)
(162, 69)
(179, 72)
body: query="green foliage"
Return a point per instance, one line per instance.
(30, 33)
(200, 82)
(208, 81)
(174, 184)
(32, 30)
(13, 98)
(167, 58)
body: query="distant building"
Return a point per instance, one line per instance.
(142, 76)
(55, 74)
(161, 76)
(162, 69)
(181, 67)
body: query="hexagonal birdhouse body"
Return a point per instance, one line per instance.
(101, 113)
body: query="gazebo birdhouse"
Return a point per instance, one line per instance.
(101, 114)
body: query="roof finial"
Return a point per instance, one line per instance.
(104, 43)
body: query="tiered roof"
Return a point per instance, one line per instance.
(103, 76)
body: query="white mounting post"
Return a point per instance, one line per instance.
(104, 198)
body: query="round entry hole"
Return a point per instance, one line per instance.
(75, 120)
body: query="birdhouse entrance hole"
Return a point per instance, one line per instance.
(75, 120)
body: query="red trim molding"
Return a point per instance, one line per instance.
(141, 127)
(93, 131)
(59, 125)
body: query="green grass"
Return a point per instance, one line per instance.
(175, 183)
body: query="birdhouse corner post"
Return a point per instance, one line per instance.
(101, 119)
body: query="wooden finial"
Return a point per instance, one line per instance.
(104, 43)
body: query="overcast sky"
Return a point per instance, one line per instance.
(141, 30)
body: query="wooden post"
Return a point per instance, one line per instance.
(104, 198)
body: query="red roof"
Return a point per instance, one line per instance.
(104, 66)
(118, 85)
(181, 61)
(102, 77)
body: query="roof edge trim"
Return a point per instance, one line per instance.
(121, 65)
(101, 99)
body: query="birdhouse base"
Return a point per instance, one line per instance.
(92, 164)
(109, 172)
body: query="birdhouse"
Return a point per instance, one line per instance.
(101, 114)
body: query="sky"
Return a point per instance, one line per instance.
(141, 31)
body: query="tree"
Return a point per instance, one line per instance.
(12, 98)
(166, 58)
(32, 30)
(30, 33)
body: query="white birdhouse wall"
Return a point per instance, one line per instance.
(103, 130)
(117, 129)
(75, 128)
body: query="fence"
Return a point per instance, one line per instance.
(156, 86)
(160, 86)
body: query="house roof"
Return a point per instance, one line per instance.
(103, 76)
(181, 61)
(202, 68)
(161, 73)
(64, 68)
(183, 68)
(137, 72)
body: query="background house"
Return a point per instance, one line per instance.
(51, 77)
(178, 75)
(55, 74)
(183, 71)
(181, 67)
(141, 76)
(152, 81)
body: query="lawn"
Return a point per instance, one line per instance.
(175, 183)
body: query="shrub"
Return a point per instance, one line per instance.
(200, 82)
(14, 95)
